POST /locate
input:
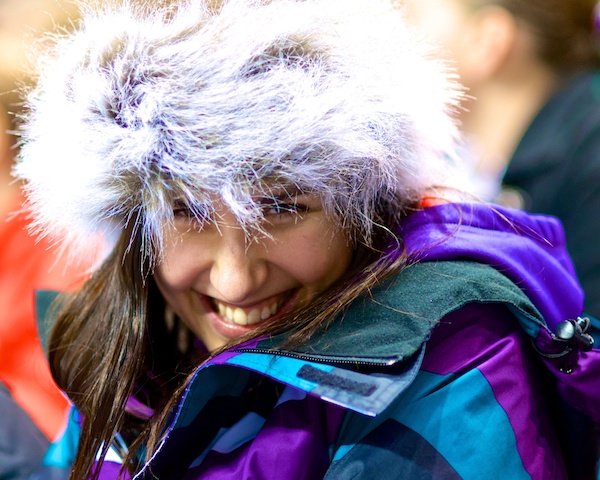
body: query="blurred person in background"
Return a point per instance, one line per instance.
(33, 408)
(532, 117)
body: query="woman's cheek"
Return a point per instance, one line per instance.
(178, 270)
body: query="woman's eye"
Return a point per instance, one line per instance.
(185, 217)
(182, 212)
(281, 210)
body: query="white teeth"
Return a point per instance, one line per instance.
(253, 317)
(241, 317)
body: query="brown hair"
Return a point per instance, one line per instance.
(565, 30)
(104, 345)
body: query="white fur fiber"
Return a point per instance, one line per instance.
(142, 108)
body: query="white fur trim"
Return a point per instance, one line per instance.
(136, 110)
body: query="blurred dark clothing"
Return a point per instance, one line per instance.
(556, 170)
(22, 444)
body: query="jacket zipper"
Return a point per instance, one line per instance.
(323, 359)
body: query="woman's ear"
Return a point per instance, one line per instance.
(487, 44)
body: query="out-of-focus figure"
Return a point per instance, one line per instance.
(33, 408)
(532, 121)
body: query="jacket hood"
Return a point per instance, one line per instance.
(528, 249)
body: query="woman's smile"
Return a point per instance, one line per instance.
(253, 314)
(232, 321)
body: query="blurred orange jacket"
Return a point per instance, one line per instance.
(28, 264)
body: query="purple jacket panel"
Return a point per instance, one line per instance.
(485, 338)
(531, 251)
(293, 443)
(528, 249)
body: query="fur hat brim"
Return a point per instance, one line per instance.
(140, 109)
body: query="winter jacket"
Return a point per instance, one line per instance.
(452, 369)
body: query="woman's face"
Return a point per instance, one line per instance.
(223, 284)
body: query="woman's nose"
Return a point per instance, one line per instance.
(239, 268)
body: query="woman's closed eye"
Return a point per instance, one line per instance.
(283, 211)
(279, 208)
(185, 215)
(182, 212)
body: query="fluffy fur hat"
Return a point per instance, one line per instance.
(143, 107)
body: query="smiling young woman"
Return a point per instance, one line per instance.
(298, 288)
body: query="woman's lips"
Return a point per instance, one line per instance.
(248, 316)
(233, 321)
